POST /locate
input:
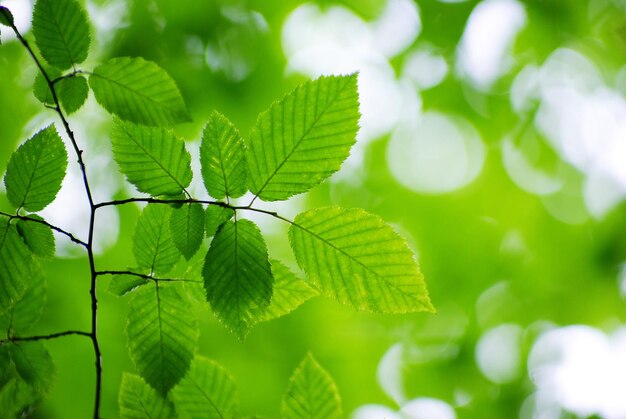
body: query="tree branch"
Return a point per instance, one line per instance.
(44, 337)
(53, 227)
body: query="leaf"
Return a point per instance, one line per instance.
(16, 264)
(162, 336)
(152, 243)
(41, 89)
(138, 400)
(28, 309)
(6, 17)
(289, 291)
(61, 32)
(311, 393)
(216, 216)
(36, 170)
(237, 276)
(33, 363)
(38, 237)
(222, 157)
(123, 284)
(16, 397)
(139, 91)
(187, 226)
(303, 139)
(359, 260)
(73, 92)
(153, 159)
(207, 392)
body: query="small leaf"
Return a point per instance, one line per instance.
(162, 336)
(41, 90)
(359, 260)
(222, 157)
(216, 216)
(28, 309)
(311, 393)
(237, 276)
(16, 397)
(73, 92)
(304, 138)
(289, 292)
(152, 243)
(36, 170)
(38, 237)
(123, 284)
(6, 17)
(61, 32)
(33, 363)
(187, 226)
(153, 159)
(16, 265)
(138, 400)
(207, 392)
(138, 91)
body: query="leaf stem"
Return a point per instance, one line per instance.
(145, 276)
(44, 337)
(51, 226)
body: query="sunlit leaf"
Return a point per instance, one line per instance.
(28, 309)
(61, 32)
(289, 291)
(41, 89)
(359, 260)
(16, 264)
(138, 400)
(152, 243)
(153, 159)
(73, 92)
(36, 170)
(139, 91)
(206, 392)
(304, 138)
(38, 237)
(187, 226)
(123, 284)
(237, 276)
(222, 156)
(216, 216)
(311, 393)
(34, 364)
(162, 335)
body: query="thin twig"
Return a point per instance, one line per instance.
(53, 227)
(144, 276)
(44, 337)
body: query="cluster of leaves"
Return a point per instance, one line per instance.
(347, 254)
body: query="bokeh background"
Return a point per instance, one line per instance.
(493, 138)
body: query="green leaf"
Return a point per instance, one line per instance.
(38, 237)
(359, 260)
(36, 170)
(16, 264)
(73, 92)
(237, 276)
(33, 363)
(289, 291)
(16, 397)
(162, 335)
(123, 284)
(41, 90)
(303, 139)
(222, 157)
(216, 216)
(311, 393)
(61, 32)
(153, 159)
(28, 309)
(139, 91)
(138, 400)
(187, 226)
(6, 17)
(207, 392)
(152, 243)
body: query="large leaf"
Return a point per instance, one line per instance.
(162, 335)
(152, 243)
(304, 138)
(34, 364)
(16, 263)
(139, 91)
(139, 401)
(207, 392)
(237, 276)
(311, 393)
(289, 291)
(28, 309)
(38, 237)
(222, 156)
(153, 159)
(216, 215)
(36, 170)
(187, 226)
(61, 32)
(356, 258)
